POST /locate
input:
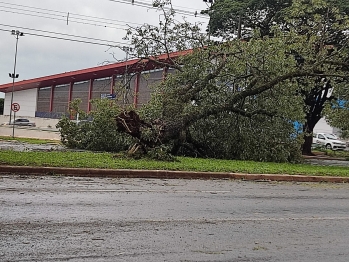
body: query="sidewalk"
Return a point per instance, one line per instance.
(30, 132)
(162, 174)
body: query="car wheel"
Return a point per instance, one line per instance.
(328, 146)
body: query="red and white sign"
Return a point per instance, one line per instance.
(15, 107)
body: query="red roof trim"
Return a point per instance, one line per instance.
(92, 73)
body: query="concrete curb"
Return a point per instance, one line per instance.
(163, 174)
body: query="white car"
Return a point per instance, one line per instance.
(22, 122)
(329, 141)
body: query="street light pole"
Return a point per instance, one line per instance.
(14, 75)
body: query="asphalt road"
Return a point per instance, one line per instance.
(93, 219)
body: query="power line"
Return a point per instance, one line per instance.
(69, 39)
(150, 6)
(73, 18)
(72, 40)
(81, 19)
(64, 14)
(62, 19)
(63, 34)
(151, 3)
(61, 16)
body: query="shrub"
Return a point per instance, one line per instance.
(98, 132)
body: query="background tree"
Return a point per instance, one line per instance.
(238, 18)
(337, 113)
(2, 106)
(326, 26)
(325, 22)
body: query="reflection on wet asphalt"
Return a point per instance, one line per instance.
(94, 219)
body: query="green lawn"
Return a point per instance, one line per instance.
(109, 160)
(112, 161)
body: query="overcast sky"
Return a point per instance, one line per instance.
(99, 21)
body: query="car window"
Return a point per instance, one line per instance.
(332, 137)
(321, 137)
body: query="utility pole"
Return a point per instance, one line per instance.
(14, 75)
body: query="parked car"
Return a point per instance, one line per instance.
(329, 141)
(22, 122)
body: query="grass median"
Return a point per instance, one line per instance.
(87, 159)
(110, 161)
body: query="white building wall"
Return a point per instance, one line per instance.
(323, 127)
(27, 99)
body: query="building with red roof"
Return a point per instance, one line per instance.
(49, 96)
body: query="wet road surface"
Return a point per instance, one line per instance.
(93, 219)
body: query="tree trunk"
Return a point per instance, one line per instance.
(315, 99)
(308, 134)
(308, 141)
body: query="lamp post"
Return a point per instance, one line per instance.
(14, 75)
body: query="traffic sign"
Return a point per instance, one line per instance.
(15, 107)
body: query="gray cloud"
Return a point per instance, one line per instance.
(40, 56)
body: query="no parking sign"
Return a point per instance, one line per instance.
(15, 107)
